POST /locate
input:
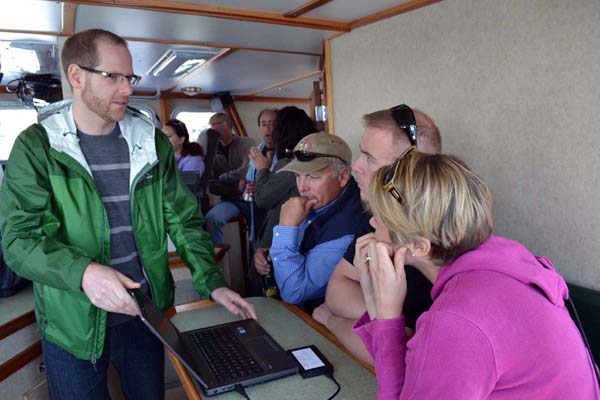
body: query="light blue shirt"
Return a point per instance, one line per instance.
(304, 277)
(251, 174)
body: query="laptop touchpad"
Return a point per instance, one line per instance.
(263, 349)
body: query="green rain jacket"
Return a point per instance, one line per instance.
(53, 223)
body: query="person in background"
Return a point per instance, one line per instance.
(266, 123)
(498, 327)
(189, 155)
(272, 188)
(230, 166)
(388, 133)
(88, 198)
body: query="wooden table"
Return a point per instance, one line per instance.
(292, 328)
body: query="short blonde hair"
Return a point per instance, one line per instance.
(442, 201)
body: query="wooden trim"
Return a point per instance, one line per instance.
(326, 333)
(69, 12)
(303, 9)
(390, 12)
(20, 360)
(17, 324)
(219, 12)
(184, 377)
(223, 54)
(237, 121)
(165, 109)
(328, 93)
(286, 82)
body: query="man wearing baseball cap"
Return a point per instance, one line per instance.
(316, 228)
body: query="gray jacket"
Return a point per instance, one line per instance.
(272, 190)
(229, 169)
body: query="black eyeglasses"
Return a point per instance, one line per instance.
(304, 156)
(390, 177)
(115, 77)
(405, 119)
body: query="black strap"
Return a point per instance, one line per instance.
(571, 307)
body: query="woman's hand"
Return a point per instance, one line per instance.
(362, 266)
(388, 279)
(260, 161)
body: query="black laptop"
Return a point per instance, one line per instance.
(222, 356)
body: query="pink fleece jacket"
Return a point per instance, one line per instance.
(498, 329)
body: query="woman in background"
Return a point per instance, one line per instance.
(189, 155)
(498, 327)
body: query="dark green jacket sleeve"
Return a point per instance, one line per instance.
(30, 228)
(184, 221)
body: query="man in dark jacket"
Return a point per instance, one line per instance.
(316, 228)
(89, 195)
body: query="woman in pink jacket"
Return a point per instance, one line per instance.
(498, 327)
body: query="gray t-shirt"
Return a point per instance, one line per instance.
(108, 158)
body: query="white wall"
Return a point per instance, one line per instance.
(515, 88)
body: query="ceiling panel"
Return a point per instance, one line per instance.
(169, 26)
(301, 88)
(350, 10)
(245, 72)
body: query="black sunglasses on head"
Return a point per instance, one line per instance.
(405, 119)
(390, 176)
(304, 156)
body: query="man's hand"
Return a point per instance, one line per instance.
(295, 209)
(259, 160)
(261, 261)
(106, 289)
(233, 302)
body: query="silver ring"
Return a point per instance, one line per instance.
(367, 259)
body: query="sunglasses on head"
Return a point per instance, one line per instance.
(304, 156)
(405, 119)
(390, 177)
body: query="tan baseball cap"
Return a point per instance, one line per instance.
(317, 151)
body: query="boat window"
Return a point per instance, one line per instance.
(13, 120)
(195, 121)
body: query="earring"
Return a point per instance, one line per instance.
(412, 254)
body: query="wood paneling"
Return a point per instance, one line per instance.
(304, 8)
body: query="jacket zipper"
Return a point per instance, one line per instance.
(131, 206)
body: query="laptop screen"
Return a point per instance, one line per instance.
(164, 329)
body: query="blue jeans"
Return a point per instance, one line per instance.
(222, 212)
(136, 354)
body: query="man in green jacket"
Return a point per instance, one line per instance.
(88, 199)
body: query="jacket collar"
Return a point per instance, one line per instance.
(136, 129)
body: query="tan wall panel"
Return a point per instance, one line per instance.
(514, 86)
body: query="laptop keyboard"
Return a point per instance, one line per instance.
(226, 355)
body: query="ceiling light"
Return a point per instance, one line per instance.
(176, 63)
(191, 90)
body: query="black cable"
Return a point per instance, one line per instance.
(330, 376)
(240, 389)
